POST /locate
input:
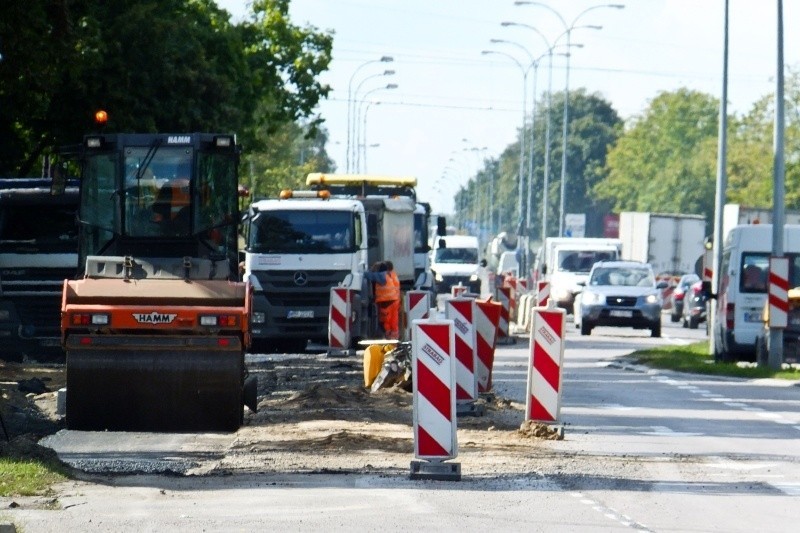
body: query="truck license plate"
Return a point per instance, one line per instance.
(305, 313)
(620, 313)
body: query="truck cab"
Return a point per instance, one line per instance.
(302, 244)
(38, 251)
(456, 261)
(566, 262)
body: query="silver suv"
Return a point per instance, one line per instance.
(621, 294)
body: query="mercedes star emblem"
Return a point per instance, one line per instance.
(300, 278)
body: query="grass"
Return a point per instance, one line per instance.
(26, 477)
(694, 358)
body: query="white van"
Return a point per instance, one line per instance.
(744, 286)
(456, 259)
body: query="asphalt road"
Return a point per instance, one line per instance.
(643, 450)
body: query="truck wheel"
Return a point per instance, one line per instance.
(693, 323)
(586, 328)
(655, 331)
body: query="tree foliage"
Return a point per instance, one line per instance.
(593, 125)
(154, 65)
(658, 164)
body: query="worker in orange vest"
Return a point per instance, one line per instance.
(387, 298)
(393, 319)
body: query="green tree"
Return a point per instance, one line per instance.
(154, 65)
(663, 162)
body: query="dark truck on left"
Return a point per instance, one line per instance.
(38, 251)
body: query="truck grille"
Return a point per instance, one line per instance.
(282, 291)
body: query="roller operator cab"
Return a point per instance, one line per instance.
(156, 329)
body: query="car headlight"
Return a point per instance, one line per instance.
(592, 298)
(438, 276)
(474, 277)
(651, 299)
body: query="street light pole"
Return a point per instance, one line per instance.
(359, 104)
(521, 184)
(567, 31)
(363, 143)
(383, 59)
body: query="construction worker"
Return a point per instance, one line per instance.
(393, 320)
(387, 295)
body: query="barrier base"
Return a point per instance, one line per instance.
(470, 409)
(506, 340)
(438, 471)
(340, 352)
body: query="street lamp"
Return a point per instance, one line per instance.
(383, 59)
(363, 143)
(357, 135)
(354, 146)
(567, 31)
(520, 188)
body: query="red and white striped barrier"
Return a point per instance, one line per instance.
(522, 285)
(434, 372)
(504, 297)
(417, 305)
(487, 317)
(542, 293)
(546, 359)
(708, 265)
(461, 311)
(339, 319)
(526, 301)
(458, 290)
(778, 292)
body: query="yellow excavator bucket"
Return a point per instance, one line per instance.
(373, 360)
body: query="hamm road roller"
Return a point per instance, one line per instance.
(155, 328)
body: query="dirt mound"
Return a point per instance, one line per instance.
(537, 430)
(319, 396)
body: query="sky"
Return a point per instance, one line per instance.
(454, 105)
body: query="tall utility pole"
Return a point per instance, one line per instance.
(779, 193)
(722, 182)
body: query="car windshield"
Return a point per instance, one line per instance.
(457, 255)
(581, 260)
(623, 277)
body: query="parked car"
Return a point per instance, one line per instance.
(678, 295)
(621, 294)
(695, 303)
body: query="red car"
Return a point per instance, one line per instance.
(678, 295)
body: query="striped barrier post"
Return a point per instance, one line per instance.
(339, 320)
(778, 292)
(458, 290)
(708, 265)
(546, 360)
(462, 312)
(542, 293)
(524, 313)
(417, 305)
(504, 297)
(434, 389)
(487, 317)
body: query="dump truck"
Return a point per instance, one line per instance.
(38, 251)
(156, 327)
(305, 242)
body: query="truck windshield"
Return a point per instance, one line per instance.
(457, 255)
(303, 231)
(582, 260)
(36, 226)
